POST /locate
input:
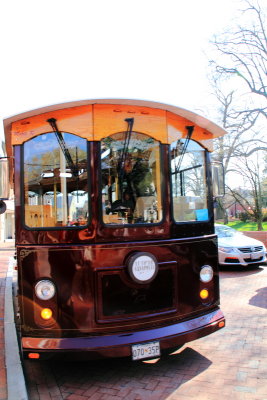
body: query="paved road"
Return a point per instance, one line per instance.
(231, 363)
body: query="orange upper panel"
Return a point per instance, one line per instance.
(96, 119)
(110, 118)
(177, 130)
(76, 120)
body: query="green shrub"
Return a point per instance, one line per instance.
(244, 216)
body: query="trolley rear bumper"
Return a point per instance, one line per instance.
(119, 345)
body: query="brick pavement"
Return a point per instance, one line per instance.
(231, 363)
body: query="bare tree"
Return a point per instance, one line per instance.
(264, 184)
(250, 171)
(243, 140)
(243, 54)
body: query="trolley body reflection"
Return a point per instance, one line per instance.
(115, 240)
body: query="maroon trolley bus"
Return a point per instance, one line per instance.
(116, 249)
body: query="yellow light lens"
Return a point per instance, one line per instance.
(204, 294)
(46, 313)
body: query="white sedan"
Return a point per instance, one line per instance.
(237, 249)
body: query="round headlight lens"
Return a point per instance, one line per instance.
(45, 290)
(206, 273)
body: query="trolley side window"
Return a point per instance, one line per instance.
(130, 179)
(55, 181)
(188, 177)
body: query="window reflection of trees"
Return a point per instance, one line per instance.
(130, 177)
(54, 194)
(188, 181)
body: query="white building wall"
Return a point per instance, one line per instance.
(7, 223)
(2, 227)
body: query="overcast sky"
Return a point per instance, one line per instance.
(55, 51)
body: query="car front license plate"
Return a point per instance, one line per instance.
(256, 256)
(145, 350)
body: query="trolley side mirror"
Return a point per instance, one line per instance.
(4, 183)
(218, 182)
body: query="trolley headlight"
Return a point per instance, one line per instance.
(45, 290)
(206, 273)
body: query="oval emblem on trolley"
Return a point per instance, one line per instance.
(143, 267)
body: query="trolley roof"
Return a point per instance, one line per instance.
(96, 119)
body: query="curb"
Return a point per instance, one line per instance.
(16, 387)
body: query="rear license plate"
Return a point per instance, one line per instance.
(145, 350)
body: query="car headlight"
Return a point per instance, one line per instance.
(45, 290)
(206, 273)
(226, 249)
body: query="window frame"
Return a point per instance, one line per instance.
(208, 197)
(22, 197)
(162, 189)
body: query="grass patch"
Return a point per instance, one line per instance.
(246, 226)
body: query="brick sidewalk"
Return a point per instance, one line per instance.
(5, 253)
(231, 363)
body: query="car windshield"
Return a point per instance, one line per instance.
(225, 231)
